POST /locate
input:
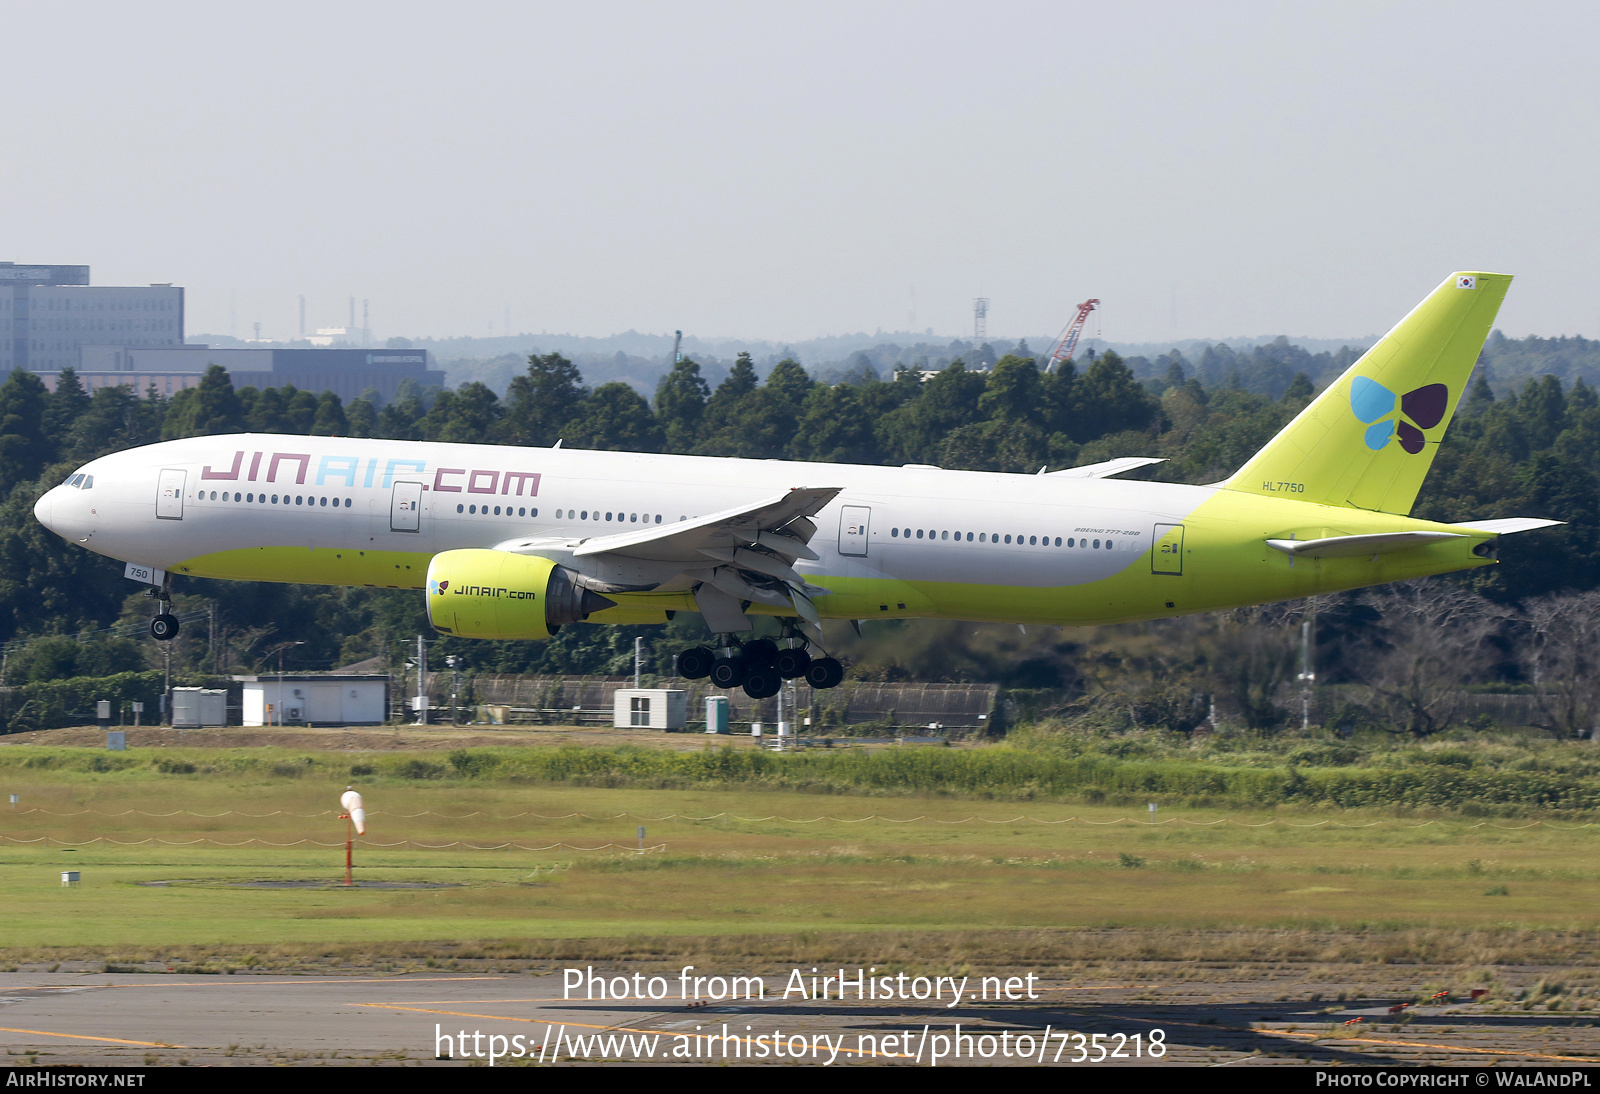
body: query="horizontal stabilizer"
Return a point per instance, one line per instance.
(1381, 543)
(1107, 468)
(1504, 526)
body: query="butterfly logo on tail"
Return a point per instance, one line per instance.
(1421, 408)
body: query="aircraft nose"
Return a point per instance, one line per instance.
(44, 508)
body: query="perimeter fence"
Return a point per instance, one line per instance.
(554, 700)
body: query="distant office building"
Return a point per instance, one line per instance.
(47, 313)
(51, 318)
(345, 372)
(332, 336)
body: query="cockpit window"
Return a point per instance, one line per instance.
(88, 483)
(75, 480)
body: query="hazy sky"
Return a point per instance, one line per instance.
(787, 171)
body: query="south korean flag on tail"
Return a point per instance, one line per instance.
(1466, 281)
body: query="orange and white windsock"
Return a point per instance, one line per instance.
(351, 801)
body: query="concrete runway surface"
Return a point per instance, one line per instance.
(130, 1019)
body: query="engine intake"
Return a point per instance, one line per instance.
(477, 593)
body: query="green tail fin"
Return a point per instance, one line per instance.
(1368, 440)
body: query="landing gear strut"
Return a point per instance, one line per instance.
(164, 627)
(760, 666)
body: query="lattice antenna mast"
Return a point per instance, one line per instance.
(1068, 342)
(980, 320)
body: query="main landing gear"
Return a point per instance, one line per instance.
(760, 666)
(164, 627)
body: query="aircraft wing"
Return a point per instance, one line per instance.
(778, 523)
(740, 555)
(1108, 467)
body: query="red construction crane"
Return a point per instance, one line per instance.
(1062, 350)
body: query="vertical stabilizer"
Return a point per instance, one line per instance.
(1368, 440)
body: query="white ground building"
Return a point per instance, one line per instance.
(321, 700)
(650, 708)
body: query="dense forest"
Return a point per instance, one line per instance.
(1535, 451)
(1265, 366)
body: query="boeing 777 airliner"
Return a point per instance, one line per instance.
(517, 542)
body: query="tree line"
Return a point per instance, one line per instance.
(1535, 452)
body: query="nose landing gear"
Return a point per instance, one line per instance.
(164, 627)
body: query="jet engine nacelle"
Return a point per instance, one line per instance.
(480, 593)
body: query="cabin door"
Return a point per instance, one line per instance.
(405, 507)
(853, 527)
(1166, 553)
(169, 494)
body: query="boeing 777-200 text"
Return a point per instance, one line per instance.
(513, 543)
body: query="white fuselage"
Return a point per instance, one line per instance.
(893, 542)
(259, 491)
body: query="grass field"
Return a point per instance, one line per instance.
(754, 864)
(1249, 935)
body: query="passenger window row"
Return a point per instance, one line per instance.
(595, 514)
(288, 499)
(301, 499)
(484, 510)
(995, 537)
